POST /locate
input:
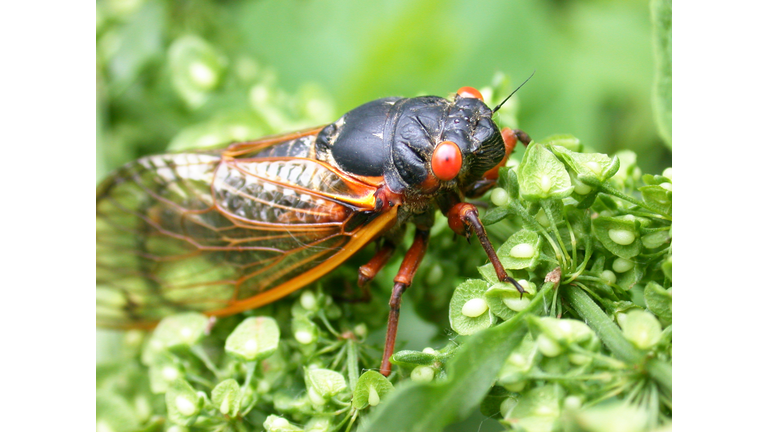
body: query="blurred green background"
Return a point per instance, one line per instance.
(203, 72)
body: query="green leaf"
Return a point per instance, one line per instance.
(495, 214)
(564, 140)
(325, 382)
(508, 180)
(163, 370)
(641, 328)
(370, 389)
(465, 319)
(226, 397)
(253, 339)
(542, 175)
(620, 235)
(655, 239)
(181, 330)
(505, 301)
(520, 251)
(659, 301)
(657, 198)
(275, 423)
(592, 169)
(661, 27)
(417, 358)
(183, 403)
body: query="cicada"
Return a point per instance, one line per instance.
(229, 230)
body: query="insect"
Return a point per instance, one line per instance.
(229, 230)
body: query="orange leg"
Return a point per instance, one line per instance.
(464, 220)
(402, 281)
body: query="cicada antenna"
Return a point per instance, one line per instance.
(515, 91)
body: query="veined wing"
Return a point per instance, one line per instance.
(215, 234)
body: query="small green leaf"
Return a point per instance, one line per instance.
(181, 330)
(275, 423)
(520, 251)
(630, 278)
(370, 389)
(568, 141)
(226, 397)
(495, 214)
(417, 358)
(592, 169)
(183, 403)
(508, 180)
(655, 239)
(163, 370)
(657, 198)
(304, 330)
(325, 382)
(641, 328)
(469, 291)
(542, 175)
(255, 338)
(659, 301)
(666, 267)
(620, 235)
(505, 300)
(625, 176)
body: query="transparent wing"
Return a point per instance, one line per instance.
(217, 234)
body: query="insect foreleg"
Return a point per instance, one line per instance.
(464, 220)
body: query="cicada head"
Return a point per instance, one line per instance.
(441, 144)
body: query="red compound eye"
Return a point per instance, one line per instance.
(470, 92)
(446, 160)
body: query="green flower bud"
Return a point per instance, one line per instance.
(547, 346)
(308, 300)
(641, 328)
(621, 265)
(255, 338)
(622, 237)
(274, 423)
(474, 307)
(522, 251)
(608, 276)
(423, 374)
(499, 197)
(542, 219)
